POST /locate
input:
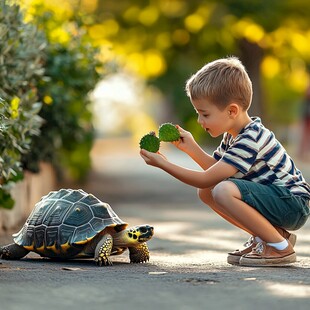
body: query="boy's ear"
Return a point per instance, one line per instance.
(233, 110)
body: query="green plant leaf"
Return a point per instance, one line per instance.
(6, 200)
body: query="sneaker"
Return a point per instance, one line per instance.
(264, 255)
(234, 257)
(288, 236)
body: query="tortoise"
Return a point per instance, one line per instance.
(69, 224)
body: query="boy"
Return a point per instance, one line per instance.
(249, 180)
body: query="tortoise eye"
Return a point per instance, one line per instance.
(143, 229)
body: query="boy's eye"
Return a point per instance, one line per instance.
(205, 115)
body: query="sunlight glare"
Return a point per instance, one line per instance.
(270, 66)
(149, 15)
(287, 290)
(194, 22)
(123, 104)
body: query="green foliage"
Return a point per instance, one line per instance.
(67, 134)
(285, 100)
(18, 124)
(35, 69)
(266, 13)
(184, 45)
(187, 34)
(21, 55)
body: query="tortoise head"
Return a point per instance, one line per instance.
(140, 233)
(132, 236)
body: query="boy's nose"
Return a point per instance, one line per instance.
(199, 121)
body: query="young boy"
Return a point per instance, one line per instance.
(249, 180)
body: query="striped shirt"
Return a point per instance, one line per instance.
(259, 157)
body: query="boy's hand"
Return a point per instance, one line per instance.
(153, 159)
(187, 142)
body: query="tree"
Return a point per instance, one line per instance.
(167, 40)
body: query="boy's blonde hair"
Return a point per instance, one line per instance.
(221, 81)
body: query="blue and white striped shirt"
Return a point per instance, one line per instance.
(260, 158)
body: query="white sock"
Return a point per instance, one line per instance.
(258, 239)
(279, 245)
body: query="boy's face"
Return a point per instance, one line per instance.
(211, 118)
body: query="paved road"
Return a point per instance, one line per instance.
(187, 269)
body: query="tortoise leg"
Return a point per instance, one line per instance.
(139, 254)
(103, 251)
(12, 251)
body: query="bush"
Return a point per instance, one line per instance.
(67, 133)
(72, 68)
(44, 84)
(21, 59)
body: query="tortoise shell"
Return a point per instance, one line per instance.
(63, 221)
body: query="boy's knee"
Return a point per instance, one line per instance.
(225, 190)
(204, 194)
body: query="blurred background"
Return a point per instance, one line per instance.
(148, 49)
(75, 72)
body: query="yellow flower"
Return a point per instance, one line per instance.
(47, 99)
(14, 107)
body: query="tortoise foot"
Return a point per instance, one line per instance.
(12, 251)
(139, 254)
(103, 252)
(5, 253)
(103, 261)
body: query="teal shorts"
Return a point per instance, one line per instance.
(276, 203)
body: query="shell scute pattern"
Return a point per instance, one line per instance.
(66, 194)
(51, 236)
(28, 236)
(97, 223)
(39, 233)
(79, 214)
(89, 200)
(38, 214)
(82, 233)
(54, 214)
(63, 220)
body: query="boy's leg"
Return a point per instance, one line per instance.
(233, 258)
(225, 199)
(205, 196)
(227, 195)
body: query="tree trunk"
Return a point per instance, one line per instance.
(251, 56)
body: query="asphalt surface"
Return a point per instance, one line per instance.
(187, 268)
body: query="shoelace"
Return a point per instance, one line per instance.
(249, 242)
(259, 248)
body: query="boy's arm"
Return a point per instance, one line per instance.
(202, 158)
(200, 179)
(188, 145)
